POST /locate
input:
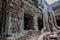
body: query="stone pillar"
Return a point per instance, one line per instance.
(21, 19)
(9, 23)
(35, 23)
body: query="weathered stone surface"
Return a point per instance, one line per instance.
(15, 10)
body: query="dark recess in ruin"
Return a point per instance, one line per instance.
(3, 17)
(58, 22)
(27, 22)
(40, 24)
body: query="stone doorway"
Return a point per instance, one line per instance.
(1, 23)
(28, 22)
(58, 22)
(40, 24)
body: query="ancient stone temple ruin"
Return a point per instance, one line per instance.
(28, 20)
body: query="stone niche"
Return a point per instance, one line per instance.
(28, 22)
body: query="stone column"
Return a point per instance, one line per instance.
(35, 23)
(9, 24)
(21, 19)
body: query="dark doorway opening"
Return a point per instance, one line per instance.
(1, 23)
(58, 22)
(40, 24)
(27, 22)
